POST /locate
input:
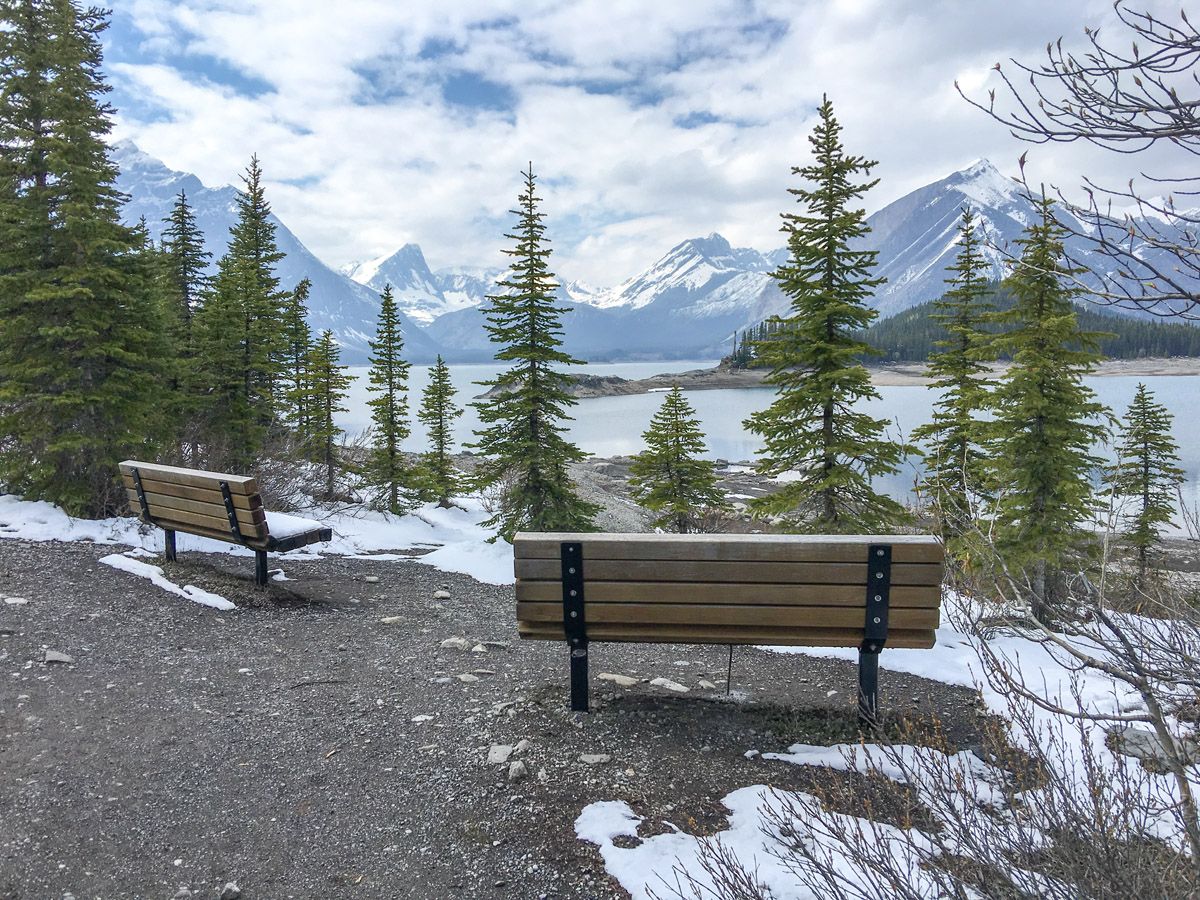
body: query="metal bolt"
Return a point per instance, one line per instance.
(574, 594)
(879, 598)
(878, 574)
(879, 552)
(877, 619)
(575, 615)
(571, 571)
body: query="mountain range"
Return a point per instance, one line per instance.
(689, 303)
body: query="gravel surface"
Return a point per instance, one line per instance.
(320, 741)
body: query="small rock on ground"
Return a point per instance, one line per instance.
(624, 681)
(498, 754)
(669, 685)
(594, 759)
(53, 656)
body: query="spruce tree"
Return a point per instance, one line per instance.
(1046, 419)
(814, 357)
(386, 471)
(80, 328)
(295, 345)
(438, 412)
(669, 477)
(522, 440)
(328, 384)
(953, 439)
(239, 334)
(1146, 475)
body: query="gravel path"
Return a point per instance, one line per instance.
(319, 741)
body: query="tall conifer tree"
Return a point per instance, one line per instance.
(438, 412)
(239, 332)
(328, 384)
(811, 427)
(522, 439)
(295, 344)
(1046, 419)
(669, 477)
(955, 458)
(386, 469)
(1146, 475)
(80, 330)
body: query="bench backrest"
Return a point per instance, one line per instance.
(800, 590)
(194, 501)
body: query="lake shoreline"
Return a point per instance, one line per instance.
(910, 374)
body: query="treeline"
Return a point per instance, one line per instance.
(912, 335)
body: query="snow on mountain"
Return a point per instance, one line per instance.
(336, 302)
(418, 291)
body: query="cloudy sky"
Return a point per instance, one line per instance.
(381, 122)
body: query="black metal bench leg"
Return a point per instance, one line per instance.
(169, 541)
(579, 678)
(260, 568)
(868, 688)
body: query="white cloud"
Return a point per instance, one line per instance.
(363, 153)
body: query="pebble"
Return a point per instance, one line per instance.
(479, 648)
(707, 685)
(498, 754)
(517, 771)
(522, 746)
(441, 595)
(231, 891)
(543, 776)
(456, 643)
(53, 656)
(371, 579)
(16, 601)
(468, 678)
(182, 894)
(751, 754)
(595, 759)
(392, 620)
(420, 719)
(668, 684)
(623, 680)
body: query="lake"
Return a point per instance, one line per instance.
(612, 426)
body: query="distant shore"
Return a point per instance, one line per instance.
(584, 385)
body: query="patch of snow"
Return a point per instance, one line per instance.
(155, 576)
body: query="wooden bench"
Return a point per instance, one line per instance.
(213, 505)
(784, 590)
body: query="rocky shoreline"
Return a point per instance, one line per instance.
(583, 385)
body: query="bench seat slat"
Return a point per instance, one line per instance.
(161, 505)
(906, 548)
(190, 492)
(751, 594)
(655, 614)
(704, 634)
(701, 571)
(238, 484)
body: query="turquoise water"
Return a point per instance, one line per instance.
(611, 426)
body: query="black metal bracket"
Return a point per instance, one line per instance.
(879, 584)
(574, 623)
(137, 485)
(231, 513)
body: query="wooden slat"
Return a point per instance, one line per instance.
(906, 548)
(163, 505)
(702, 634)
(740, 615)
(702, 571)
(238, 484)
(754, 594)
(253, 543)
(189, 492)
(187, 521)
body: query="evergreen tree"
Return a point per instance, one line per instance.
(955, 459)
(1045, 419)
(80, 330)
(329, 384)
(522, 439)
(1146, 473)
(239, 333)
(438, 413)
(669, 477)
(386, 470)
(295, 345)
(811, 427)
(187, 265)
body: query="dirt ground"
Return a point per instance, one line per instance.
(303, 747)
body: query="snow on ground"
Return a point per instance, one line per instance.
(753, 833)
(155, 576)
(458, 542)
